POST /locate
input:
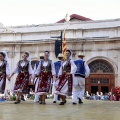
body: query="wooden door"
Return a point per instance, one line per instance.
(101, 81)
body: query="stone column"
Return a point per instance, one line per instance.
(16, 56)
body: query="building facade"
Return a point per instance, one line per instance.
(99, 40)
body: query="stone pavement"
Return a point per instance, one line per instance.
(90, 110)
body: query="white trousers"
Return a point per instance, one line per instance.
(78, 88)
(55, 85)
(36, 99)
(36, 84)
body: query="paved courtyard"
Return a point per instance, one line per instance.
(90, 110)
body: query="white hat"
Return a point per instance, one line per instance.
(81, 54)
(60, 55)
(41, 55)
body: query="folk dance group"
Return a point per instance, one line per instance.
(66, 77)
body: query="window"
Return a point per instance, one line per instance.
(99, 81)
(100, 66)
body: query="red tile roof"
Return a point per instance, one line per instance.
(75, 16)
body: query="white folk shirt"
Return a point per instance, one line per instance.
(73, 67)
(22, 64)
(45, 63)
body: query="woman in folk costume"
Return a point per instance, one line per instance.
(46, 72)
(66, 71)
(25, 71)
(4, 70)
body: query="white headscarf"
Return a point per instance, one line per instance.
(71, 55)
(6, 56)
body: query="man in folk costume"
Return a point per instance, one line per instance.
(37, 78)
(24, 70)
(4, 70)
(66, 71)
(82, 72)
(46, 72)
(58, 64)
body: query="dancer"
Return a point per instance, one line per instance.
(25, 71)
(4, 70)
(82, 72)
(66, 71)
(46, 72)
(58, 64)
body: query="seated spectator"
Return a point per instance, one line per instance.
(101, 96)
(87, 95)
(31, 93)
(112, 97)
(97, 96)
(106, 97)
(7, 95)
(93, 96)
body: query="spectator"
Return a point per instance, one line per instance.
(106, 97)
(93, 96)
(87, 95)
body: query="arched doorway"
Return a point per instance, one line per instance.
(101, 77)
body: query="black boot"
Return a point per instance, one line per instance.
(62, 103)
(65, 101)
(22, 97)
(74, 103)
(59, 97)
(54, 101)
(16, 102)
(80, 101)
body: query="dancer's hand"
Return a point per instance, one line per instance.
(34, 76)
(9, 77)
(68, 73)
(54, 78)
(31, 81)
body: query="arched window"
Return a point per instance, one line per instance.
(100, 66)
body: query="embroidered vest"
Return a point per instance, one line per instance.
(57, 66)
(67, 67)
(80, 68)
(47, 68)
(24, 68)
